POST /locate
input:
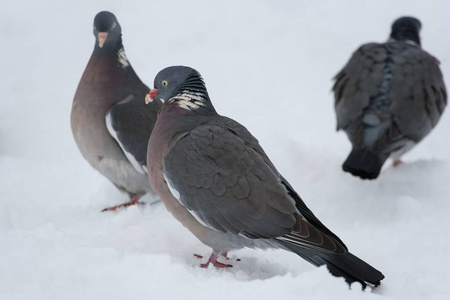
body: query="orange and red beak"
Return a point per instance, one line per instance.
(102, 38)
(151, 95)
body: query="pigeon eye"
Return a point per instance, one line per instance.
(114, 25)
(165, 83)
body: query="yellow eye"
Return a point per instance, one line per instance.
(165, 83)
(114, 25)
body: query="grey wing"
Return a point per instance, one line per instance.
(389, 94)
(358, 82)
(251, 141)
(131, 122)
(417, 91)
(227, 185)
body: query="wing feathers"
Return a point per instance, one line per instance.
(225, 178)
(409, 81)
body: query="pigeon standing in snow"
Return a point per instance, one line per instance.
(388, 97)
(214, 177)
(110, 123)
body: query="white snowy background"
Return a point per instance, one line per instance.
(267, 64)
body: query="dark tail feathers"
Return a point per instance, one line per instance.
(345, 265)
(353, 269)
(364, 164)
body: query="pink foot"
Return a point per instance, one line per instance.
(133, 201)
(213, 260)
(224, 255)
(397, 163)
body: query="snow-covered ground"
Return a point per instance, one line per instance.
(267, 64)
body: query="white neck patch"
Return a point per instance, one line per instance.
(122, 58)
(189, 100)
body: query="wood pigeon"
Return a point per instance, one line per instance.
(110, 122)
(388, 97)
(215, 178)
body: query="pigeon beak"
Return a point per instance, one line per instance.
(102, 38)
(151, 95)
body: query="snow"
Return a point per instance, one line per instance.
(267, 64)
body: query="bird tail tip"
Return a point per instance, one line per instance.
(353, 269)
(364, 164)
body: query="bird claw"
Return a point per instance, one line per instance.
(133, 201)
(216, 264)
(213, 260)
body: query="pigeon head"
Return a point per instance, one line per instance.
(183, 86)
(406, 29)
(107, 31)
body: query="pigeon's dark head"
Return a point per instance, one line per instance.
(406, 29)
(107, 30)
(181, 85)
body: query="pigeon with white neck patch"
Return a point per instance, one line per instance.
(110, 123)
(388, 97)
(214, 177)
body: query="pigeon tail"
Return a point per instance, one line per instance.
(352, 269)
(364, 164)
(347, 265)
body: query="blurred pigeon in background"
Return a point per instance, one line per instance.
(110, 122)
(388, 97)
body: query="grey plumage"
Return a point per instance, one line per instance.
(109, 95)
(225, 189)
(388, 97)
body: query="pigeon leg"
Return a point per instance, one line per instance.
(133, 201)
(397, 162)
(213, 260)
(224, 255)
